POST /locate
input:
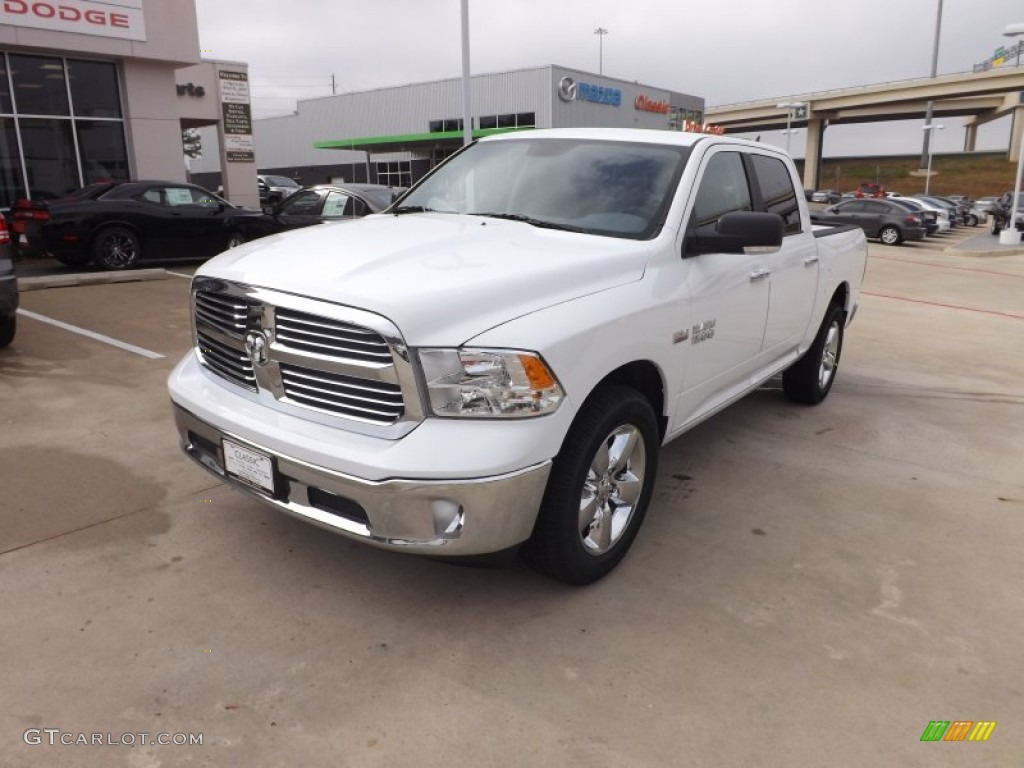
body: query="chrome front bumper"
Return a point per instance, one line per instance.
(431, 517)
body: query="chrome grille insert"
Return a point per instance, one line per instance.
(230, 362)
(376, 401)
(318, 335)
(226, 313)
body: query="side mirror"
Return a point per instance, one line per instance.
(738, 231)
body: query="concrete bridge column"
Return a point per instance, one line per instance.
(1017, 133)
(812, 154)
(970, 137)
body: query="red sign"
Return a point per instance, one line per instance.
(644, 104)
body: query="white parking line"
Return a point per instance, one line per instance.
(93, 335)
(179, 274)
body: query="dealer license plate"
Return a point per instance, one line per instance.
(249, 466)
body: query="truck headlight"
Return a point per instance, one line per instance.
(489, 383)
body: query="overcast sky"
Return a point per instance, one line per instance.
(723, 50)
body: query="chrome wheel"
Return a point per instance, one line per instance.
(612, 489)
(829, 356)
(890, 236)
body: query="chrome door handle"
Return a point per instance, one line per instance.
(759, 274)
(811, 260)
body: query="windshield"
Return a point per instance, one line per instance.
(280, 181)
(619, 189)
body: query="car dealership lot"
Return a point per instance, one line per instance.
(812, 585)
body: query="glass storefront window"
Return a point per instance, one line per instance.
(39, 85)
(5, 89)
(49, 157)
(94, 89)
(104, 155)
(12, 185)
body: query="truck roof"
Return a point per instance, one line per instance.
(645, 135)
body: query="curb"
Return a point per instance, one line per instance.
(1008, 252)
(89, 278)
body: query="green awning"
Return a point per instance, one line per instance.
(409, 141)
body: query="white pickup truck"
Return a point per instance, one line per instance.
(497, 359)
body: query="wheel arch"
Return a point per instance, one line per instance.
(646, 378)
(104, 226)
(841, 296)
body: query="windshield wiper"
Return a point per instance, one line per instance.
(532, 221)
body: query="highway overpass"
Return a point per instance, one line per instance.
(978, 96)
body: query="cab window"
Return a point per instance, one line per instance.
(777, 192)
(723, 189)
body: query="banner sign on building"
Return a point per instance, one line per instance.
(237, 114)
(102, 18)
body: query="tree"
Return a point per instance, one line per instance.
(191, 142)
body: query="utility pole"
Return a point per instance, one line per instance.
(600, 32)
(467, 107)
(334, 89)
(931, 104)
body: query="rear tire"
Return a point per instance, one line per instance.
(116, 248)
(599, 488)
(994, 227)
(890, 235)
(8, 325)
(971, 220)
(810, 378)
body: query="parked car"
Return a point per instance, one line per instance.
(8, 287)
(982, 208)
(1001, 213)
(963, 210)
(274, 189)
(116, 224)
(867, 189)
(315, 205)
(830, 196)
(955, 216)
(929, 216)
(888, 221)
(941, 213)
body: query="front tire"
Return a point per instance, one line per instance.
(8, 325)
(599, 488)
(810, 378)
(994, 227)
(116, 248)
(890, 236)
(971, 220)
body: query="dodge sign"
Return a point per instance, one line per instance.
(103, 18)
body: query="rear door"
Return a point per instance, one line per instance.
(794, 267)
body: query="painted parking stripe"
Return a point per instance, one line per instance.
(93, 335)
(179, 274)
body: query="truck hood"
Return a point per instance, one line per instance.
(441, 278)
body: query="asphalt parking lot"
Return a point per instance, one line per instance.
(812, 586)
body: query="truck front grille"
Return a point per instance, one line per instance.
(305, 354)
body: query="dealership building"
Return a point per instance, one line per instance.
(395, 135)
(93, 90)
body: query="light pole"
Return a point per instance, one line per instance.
(1014, 30)
(789, 107)
(600, 32)
(927, 132)
(935, 69)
